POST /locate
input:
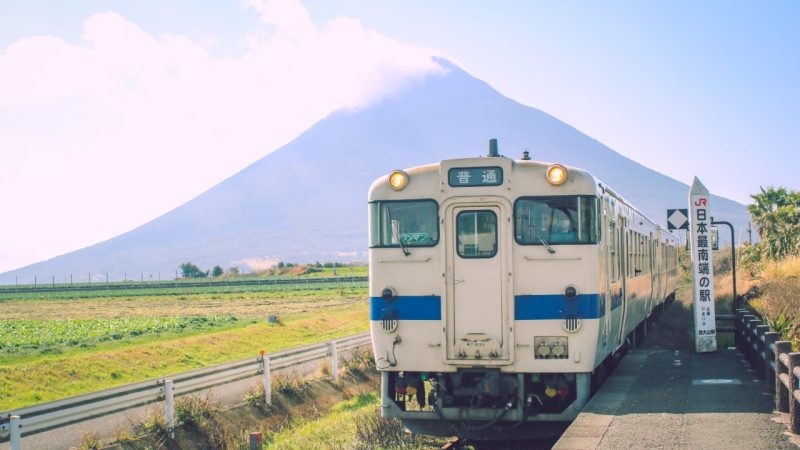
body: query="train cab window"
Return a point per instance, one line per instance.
(556, 220)
(412, 223)
(476, 234)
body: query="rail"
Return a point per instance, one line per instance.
(117, 286)
(774, 360)
(30, 420)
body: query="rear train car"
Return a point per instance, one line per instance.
(500, 289)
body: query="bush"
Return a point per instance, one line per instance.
(194, 412)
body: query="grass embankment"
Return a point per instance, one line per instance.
(312, 412)
(778, 298)
(37, 373)
(351, 424)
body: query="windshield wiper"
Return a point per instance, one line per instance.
(546, 245)
(404, 247)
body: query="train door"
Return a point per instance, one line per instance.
(648, 266)
(622, 301)
(477, 327)
(610, 236)
(616, 277)
(653, 271)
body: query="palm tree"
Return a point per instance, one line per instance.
(776, 213)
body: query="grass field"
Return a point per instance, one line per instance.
(55, 347)
(244, 304)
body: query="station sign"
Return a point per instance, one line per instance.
(475, 176)
(705, 328)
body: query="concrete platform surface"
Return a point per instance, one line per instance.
(670, 399)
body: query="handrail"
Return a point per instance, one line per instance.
(779, 365)
(59, 413)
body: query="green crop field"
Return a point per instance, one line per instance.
(55, 345)
(180, 288)
(22, 337)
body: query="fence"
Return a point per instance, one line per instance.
(16, 424)
(774, 359)
(102, 286)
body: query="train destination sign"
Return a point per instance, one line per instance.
(705, 329)
(475, 176)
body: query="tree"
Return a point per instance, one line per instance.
(217, 271)
(189, 270)
(776, 213)
(233, 271)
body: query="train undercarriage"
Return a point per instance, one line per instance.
(482, 403)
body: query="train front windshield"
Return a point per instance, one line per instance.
(556, 220)
(406, 223)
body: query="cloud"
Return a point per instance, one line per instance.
(101, 135)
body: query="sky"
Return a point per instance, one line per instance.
(113, 113)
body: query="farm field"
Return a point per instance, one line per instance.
(53, 347)
(295, 275)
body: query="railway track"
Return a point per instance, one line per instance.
(532, 444)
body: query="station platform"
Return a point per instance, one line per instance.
(669, 399)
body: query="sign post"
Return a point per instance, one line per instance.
(705, 331)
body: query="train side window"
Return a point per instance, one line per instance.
(476, 234)
(628, 254)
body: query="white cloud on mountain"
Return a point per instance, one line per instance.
(104, 134)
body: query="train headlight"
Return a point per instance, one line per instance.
(388, 294)
(550, 347)
(398, 180)
(543, 350)
(556, 174)
(570, 292)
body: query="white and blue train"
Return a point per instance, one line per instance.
(500, 289)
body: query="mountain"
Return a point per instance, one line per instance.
(307, 200)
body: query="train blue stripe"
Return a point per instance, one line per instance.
(556, 306)
(427, 307)
(526, 307)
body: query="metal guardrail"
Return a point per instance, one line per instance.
(118, 286)
(775, 361)
(59, 413)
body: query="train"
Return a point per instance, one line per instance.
(501, 290)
